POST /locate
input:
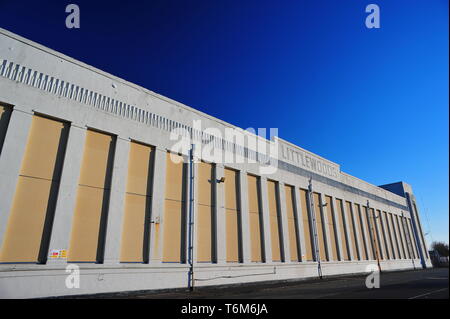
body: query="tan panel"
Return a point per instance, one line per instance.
(393, 236)
(379, 232)
(255, 237)
(36, 191)
(401, 253)
(306, 225)
(5, 115)
(292, 239)
(403, 232)
(86, 224)
(43, 147)
(96, 157)
(204, 233)
(172, 231)
(230, 189)
(26, 221)
(387, 238)
(273, 215)
(205, 184)
(373, 229)
(319, 224)
(331, 227)
(232, 245)
(369, 239)
(402, 236)
(352, 235)
(174, 177)
(133, 228)
(361, 230)
(232, 215)
(253, 195)
(292, 221)
(139, 169)
(340, 214)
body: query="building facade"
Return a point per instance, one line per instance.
(88, 177)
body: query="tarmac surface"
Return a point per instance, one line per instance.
(414, 284)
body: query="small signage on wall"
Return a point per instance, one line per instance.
(58, 253)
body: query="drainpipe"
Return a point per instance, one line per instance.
(191, 221)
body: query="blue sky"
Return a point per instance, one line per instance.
(373, 100)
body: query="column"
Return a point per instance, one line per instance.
(221, 249)
(116, 201)
(284, 223)
(245, 226)
(65, 205)
(265, 229)
(299, 213)
(11, 161)
(337, 226)
(159, 186)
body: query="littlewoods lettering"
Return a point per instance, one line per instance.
(308, 161)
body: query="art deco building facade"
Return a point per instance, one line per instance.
(87, 178)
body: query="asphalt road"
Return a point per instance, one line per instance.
(418, 284)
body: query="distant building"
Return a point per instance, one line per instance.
(86, 178)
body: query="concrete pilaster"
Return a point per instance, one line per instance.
(351, 253)
(284, 223)
(325, 228)
(117, 201)
(65, 205)
(158, 196)
(359, 244)
(245, 218)
(11, 161)
(337, 225)
(265, 229)
(221, 249)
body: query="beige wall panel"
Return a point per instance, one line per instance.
(393, 236)
(97, 154)
(132, 244)
(292, 240)
(174, 177)
(204, 177)
(255, 237)
(306, 225)
(26, 222)
(42, 147)
(86, 224)
(401, 253)
(401, 236)
(232, 245)
(340, 214)
(292, 221)
(387, 238)
(352, 236)
(320, 232)
(172, 231)
(253, 201)
(373, 229)
(139, 169)
(358, 219)
(230, 189)
(274, 235)
(331, 227)
(204, 233)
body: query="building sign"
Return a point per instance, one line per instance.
(307, 160)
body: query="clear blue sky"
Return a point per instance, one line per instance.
(375, 101)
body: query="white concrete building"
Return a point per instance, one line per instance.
(86, 178)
